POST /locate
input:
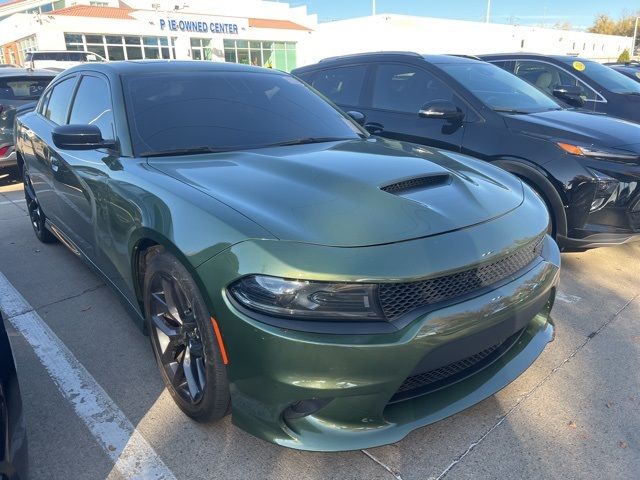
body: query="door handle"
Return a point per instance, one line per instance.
(374, 128)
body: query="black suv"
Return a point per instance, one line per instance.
(585, 166)
(576, 81)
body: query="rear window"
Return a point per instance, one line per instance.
(24, 88)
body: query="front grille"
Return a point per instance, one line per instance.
(397, 299)
(426, 382)
(421, 380)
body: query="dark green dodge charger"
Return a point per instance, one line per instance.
(330, 289)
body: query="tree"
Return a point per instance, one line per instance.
(624, 56)
(566, 25)
(607, 25)
(603, 24)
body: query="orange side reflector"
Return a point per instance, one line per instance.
(572, 149)
(223, 351)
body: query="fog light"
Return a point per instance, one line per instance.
(302, 408)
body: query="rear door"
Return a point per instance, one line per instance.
(397, 92)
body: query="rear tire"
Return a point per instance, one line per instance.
(36, 215)
(183, 339)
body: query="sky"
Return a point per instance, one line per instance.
(579, 12)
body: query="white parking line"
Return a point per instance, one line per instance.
(131, 453)
(7, 202)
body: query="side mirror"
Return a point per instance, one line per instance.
(571, 94)
(79, 137)
(357, 117)
(442, 109)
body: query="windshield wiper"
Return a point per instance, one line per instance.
(305, 141)
(184, 151)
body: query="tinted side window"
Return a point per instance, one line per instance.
(43, 103)
(92, 106)
(405, 88)
(547, 77)
(341, 85)
(58, 105)
(504, 64)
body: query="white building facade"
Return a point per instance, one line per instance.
(254, 32)
(264, 33)
(436, 35)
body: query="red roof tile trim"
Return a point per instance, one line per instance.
(96, 12)
(280, 24)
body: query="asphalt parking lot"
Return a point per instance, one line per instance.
(573, 414)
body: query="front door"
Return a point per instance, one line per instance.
(397, 93)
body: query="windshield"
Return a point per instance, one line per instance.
(605, 76)
(498, 89)
(227, 111)
(16, 88)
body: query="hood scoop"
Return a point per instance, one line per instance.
(409, 185)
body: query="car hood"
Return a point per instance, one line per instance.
(583, 127)
(330, 193)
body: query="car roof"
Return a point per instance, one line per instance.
(26, 72)
(560, 58)
(393, 55)
(132, 67)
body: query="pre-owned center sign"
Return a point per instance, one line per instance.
(198, 26)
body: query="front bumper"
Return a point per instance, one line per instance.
(272, 367)
(604, 205)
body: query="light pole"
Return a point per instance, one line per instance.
(635, 32)
(373, 7)
(488, 11)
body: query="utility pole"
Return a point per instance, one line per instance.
(488, 11)
(635, 33)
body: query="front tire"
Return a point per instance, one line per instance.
(36, 215)
(183, 339)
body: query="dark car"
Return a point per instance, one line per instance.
(13, 437)
(576, 81)
(630, 69)
(18, 86)
(333, 290)
(585, 166)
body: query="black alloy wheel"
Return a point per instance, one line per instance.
(176, 338)
(183, 339)
(36, 215)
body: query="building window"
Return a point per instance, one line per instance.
(280, 55)
(201, 49)
(122, 47)
(26, 45)
(46, 7)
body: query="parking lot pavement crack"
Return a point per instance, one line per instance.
(535, 388)
(75, 295)
(389, 469)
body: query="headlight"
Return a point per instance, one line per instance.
(308, 300)
(595, 152)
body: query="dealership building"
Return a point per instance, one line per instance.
(264, 33)
(254, 32)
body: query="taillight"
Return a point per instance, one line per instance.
(4, 150)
